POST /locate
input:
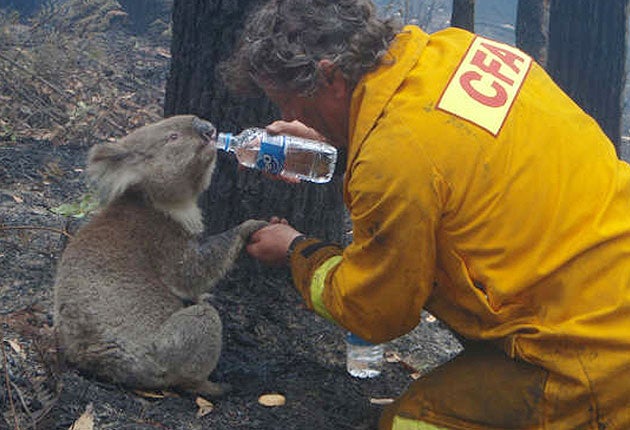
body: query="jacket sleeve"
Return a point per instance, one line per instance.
(378, 285)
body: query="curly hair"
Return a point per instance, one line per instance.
(284, 40)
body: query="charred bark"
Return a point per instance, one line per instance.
(587, 51)
(463, 15)
(532, 28)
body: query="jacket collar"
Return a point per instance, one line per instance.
(376, 88)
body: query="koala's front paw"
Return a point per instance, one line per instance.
(246, 228)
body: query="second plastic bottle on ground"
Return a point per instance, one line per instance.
(363, 359)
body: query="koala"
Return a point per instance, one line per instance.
(129, 288)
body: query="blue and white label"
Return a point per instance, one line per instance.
(271, 156)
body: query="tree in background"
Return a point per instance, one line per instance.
(204, 33)
(24, 7)
(587, 51)
(463, 15)
(144, 13)
(532, 28)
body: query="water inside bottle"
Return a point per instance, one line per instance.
(307, 164)
(364, 361)
(248, 153)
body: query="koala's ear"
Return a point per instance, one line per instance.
(107, 152)
(110, 171)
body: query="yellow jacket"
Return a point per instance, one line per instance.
(480, 191)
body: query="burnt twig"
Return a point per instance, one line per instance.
(7, 381)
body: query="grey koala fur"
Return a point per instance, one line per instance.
(126, 281)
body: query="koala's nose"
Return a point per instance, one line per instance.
(204, 128)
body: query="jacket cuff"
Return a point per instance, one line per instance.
(307, 255)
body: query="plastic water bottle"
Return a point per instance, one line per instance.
(363, 359)
(288, 156)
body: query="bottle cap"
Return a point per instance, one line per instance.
(223, 141)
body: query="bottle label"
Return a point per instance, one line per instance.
(271, 155)
(353, 339)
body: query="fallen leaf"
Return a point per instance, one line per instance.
(205, 406)
(18, 199)
(163, 52)
(16, 347)
(383, 401)
(52, 134)
(272, 400)
(392, 357)
(86, 420)
(149, 394)
(119, 13)
(155, 394)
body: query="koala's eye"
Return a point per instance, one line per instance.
(173, 136)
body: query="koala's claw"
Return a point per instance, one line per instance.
(247, 228)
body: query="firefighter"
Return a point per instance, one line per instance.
(477, 190)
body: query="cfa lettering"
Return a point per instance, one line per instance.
(488, 85)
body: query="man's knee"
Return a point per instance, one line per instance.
(401, 423)
(481, 388)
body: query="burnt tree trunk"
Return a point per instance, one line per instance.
(532, 28)
(587, 51)
(463, 15)
(204, 33)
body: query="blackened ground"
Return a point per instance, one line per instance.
(271, 343)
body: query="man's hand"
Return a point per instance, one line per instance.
(270, 244)
(295, 128)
